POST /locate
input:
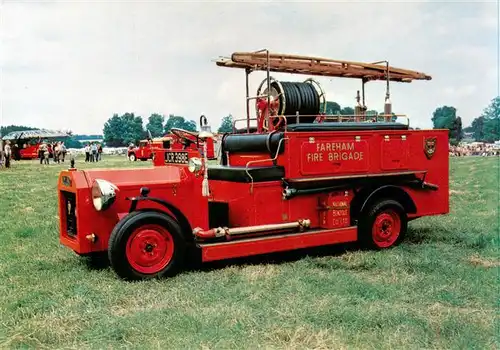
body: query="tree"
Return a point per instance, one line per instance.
(456, 131)
(445, 117)
(487, 126)
(491, 115)
(347, 111)
(4, 130)
(72, 143)
(155, 124)
(332, 108)
(190, 125)
(123, 130)
(226, 124)
(180, 123)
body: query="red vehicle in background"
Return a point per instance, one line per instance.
(299, 179)
(144, 151)
(178, 140)
(25, 143)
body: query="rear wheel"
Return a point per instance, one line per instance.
(383, 225)
(146, 245)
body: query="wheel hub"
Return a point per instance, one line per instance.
(386, 228)
(150, 248)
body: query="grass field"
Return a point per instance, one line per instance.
(439, 289)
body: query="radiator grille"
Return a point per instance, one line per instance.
(69, 209)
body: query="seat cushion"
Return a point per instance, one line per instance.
(238, 174)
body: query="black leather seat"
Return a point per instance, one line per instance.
(249, 143)
(238, 173)
(252, 143)
(346, 126)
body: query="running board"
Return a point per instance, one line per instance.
(277, 243)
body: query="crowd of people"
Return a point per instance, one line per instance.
(93, 152)
(474, 149)
(57, 149)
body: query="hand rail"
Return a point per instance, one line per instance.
(263, 160)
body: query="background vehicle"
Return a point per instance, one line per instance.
(301, 179)
(178, 140)
(25, 144)
(144, 150)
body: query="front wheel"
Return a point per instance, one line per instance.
(146, 245)
(132, 157)
(383, 225)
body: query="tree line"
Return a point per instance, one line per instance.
(121, 130)
(485, 128)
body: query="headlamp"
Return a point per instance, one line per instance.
(194, 164)
(103, 194)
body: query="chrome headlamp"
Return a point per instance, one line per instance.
(194, 164)
(103, 194)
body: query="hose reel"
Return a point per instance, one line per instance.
(288, 98)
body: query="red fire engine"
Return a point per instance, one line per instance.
(297, 179)
(25, 144)
(179, 140)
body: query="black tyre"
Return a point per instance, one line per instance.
(146, 244)
(382, 225)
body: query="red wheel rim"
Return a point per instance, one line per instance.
(150, 248)
(386, 228)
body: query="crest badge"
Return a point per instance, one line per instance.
(430, 146)
(66, 181)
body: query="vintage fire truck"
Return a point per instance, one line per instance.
(147, 147)
(144, 151)
(295, 179)
(25, 144)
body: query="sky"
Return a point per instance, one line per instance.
(72, 65)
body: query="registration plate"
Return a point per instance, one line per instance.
(176, 157)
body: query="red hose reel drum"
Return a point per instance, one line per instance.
(287, 99)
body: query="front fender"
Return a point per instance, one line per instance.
(178, 215)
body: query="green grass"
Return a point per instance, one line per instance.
(439, 289)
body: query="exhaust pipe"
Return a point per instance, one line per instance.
(226, 232)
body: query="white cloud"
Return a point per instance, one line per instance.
(72, 65)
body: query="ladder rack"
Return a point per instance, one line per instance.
(319, 66)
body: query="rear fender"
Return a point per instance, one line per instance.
(394, 192)
(366, 196)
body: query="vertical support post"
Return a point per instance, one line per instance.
(205, 190)
(268, 86)
(363, 91)
(247, 72)
(388, 105)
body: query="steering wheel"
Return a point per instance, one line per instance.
(188, 137)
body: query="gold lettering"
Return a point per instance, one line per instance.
(342, 212)
(336, 151)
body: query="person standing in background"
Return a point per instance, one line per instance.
(46, 153)
(8, 153)
(41, 151)
(99, 151)
(87, 153)
(94, 152)
(1, 154)
(55, 152)
(63, 151)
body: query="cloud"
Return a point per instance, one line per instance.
(74, 64)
